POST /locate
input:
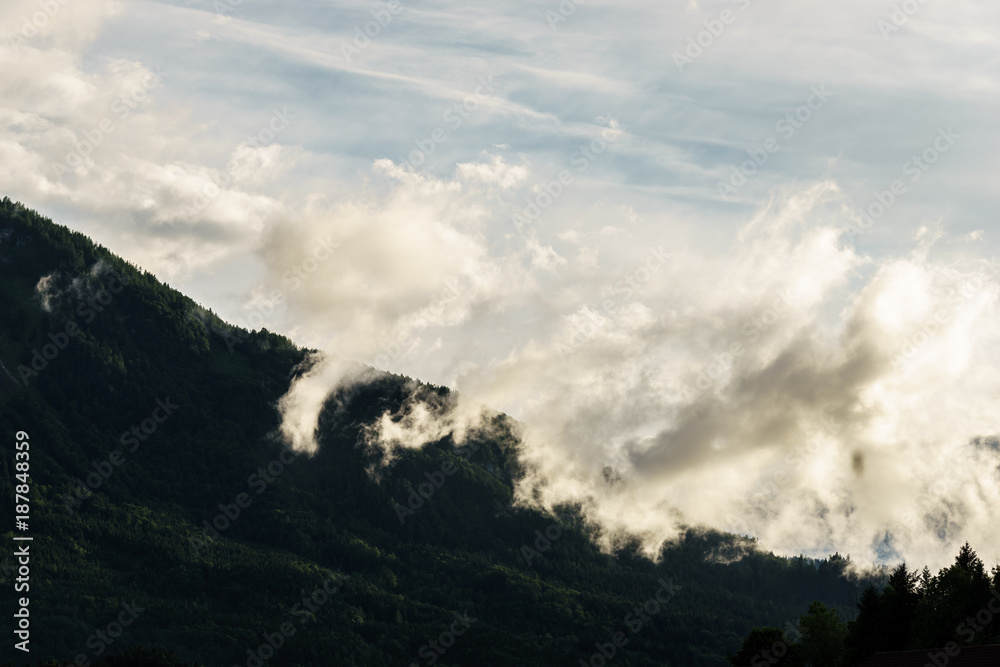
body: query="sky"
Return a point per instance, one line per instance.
(744, 253)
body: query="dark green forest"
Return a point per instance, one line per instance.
(914, 610)
(149, 420)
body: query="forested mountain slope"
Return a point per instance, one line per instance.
(145, 426)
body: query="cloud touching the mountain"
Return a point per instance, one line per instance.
(787, 386)
(741, 252)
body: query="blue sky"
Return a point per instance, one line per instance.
(372, 196)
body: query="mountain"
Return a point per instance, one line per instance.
(171, 523)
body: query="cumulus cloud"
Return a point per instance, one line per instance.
(494, 172)
(405, 266)
(88, 135)
(752, 364)
(789, 387)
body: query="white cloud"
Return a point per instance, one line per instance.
(765, 390)
(429, 276)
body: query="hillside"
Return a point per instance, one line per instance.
(146, 427)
